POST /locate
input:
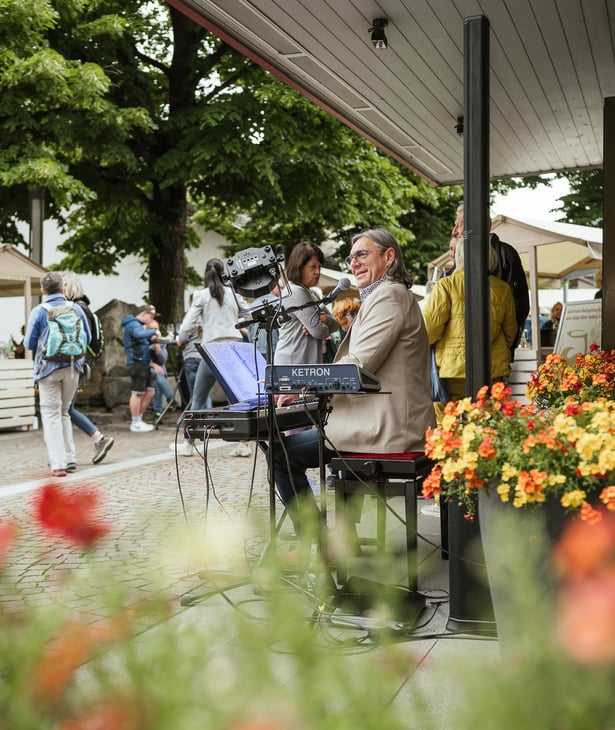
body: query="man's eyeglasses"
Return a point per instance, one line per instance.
(358, 256)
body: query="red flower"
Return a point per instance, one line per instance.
(8, 533)
(69, 514)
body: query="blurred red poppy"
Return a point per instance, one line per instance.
(70, 514)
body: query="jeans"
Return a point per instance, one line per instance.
(295, 454)
(291, 458)
(56, 392)
(203, 383)
(79, 419)
(161, 387)
(191, 365)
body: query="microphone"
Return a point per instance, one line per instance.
(342, 285)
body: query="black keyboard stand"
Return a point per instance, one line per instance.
(265, 320)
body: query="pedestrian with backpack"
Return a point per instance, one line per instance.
(58, 333)
(73, 290)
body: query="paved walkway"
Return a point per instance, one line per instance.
(146, 497)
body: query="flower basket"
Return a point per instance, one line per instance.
(523, 453)
(557, 382)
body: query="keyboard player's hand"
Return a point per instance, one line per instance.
(285, 398)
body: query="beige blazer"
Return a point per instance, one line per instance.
(387, 338)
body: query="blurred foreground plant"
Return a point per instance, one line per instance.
(261, 664)
(560, 671)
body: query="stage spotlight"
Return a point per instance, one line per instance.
(253, 272)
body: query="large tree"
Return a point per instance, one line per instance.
(129, 114)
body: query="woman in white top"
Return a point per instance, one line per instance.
(302, 337)
(215, 310)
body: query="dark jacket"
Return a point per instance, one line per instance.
(136, 340)
(510, 270)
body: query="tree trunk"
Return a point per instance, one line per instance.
(166, 261)
(168, 204)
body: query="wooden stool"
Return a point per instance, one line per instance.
(383, 476)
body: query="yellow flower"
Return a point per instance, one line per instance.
(555, 479)
(508, 472)
(573, 499)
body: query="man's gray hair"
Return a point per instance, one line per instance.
(52, 282)
(383, 239)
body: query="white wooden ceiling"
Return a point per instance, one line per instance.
(552, 64)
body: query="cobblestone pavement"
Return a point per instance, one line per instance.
(146, 497)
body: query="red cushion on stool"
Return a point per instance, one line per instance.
(407, 457)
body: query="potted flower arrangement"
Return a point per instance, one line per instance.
(592, 376)
(523, 454)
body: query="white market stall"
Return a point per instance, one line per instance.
(19, 276)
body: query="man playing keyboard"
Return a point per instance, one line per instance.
(386, 338)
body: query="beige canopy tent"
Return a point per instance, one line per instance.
(550, 252)
(562, 250)
(19, 276)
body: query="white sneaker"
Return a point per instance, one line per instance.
(184, 448)
(431, 510)
(241, 450)
(141, 427)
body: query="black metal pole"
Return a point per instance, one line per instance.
(476, 203)
(608, 230)
(470, 602)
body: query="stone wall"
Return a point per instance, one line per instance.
(109, 386)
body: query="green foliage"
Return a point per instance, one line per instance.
(584, 205)
(127, 111)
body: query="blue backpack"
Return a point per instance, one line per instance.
(67, 339)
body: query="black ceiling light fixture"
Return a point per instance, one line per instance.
(379, 38)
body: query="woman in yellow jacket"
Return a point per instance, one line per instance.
(444, 316)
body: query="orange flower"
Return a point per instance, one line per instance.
(8, 535)
(607, 497)
(72, 647)
(69, 514)
(584, 548)
(486, 448)
(585, 556)
(500, 391)
(586, 619)
(62, 656)
(431, 483)
(118, 715)
(590, 515)
(532, 482)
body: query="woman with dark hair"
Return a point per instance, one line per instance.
(215, 311)
(302, 337)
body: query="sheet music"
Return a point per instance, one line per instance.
(239, 368)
